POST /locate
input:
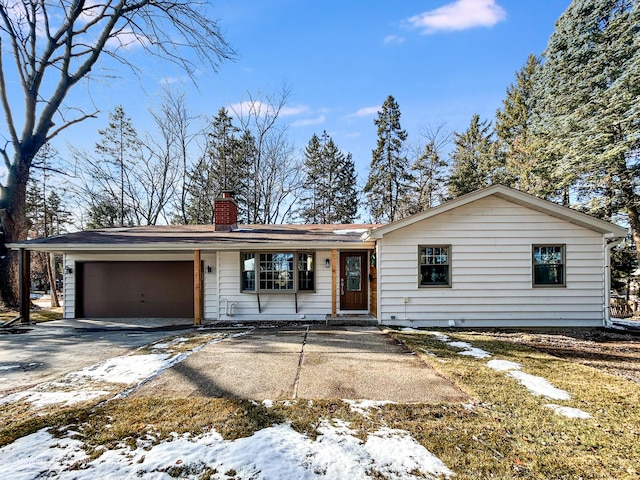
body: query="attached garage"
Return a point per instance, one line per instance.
(134, 289)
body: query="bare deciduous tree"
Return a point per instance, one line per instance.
(276, 179)
(51, 47)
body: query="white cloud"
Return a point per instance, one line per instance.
(393, 40)
(292, 111)
(365, 112)
(309, 121)
(459, 15)
(259, 109)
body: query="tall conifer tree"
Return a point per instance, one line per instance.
(119, 148)
(430, 176)
(389, 173)
(474, 164)
(525, 168)
(330, 193)
(588, 111)
(224, 166)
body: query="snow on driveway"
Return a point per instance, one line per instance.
(91, 382)
(275, 452)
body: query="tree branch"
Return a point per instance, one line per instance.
(6, 106)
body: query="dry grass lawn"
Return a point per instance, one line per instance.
(507, 432)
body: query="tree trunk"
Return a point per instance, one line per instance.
(634, 222)
(16, 228)
(51, 269)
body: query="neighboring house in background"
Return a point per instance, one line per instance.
(495, 257)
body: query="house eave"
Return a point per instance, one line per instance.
(191, 246)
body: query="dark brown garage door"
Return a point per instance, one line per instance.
(134, 289)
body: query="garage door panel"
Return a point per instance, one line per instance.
(135, 289)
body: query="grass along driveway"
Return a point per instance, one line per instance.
(508, 431)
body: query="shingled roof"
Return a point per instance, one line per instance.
(188, 237)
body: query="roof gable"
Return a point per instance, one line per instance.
(514, 196)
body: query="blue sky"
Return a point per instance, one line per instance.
(442, 60)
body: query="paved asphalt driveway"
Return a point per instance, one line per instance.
(311, 362)
(47, 351)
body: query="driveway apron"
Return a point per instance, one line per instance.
(314, 362)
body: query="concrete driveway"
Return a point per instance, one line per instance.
(312, 362)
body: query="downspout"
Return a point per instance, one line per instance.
(610, 243)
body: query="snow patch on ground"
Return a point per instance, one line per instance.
(46, 394)
(539, 386)
(85, 384)
(536, 385)
(127, 369)
(9, 367)
(274, 452)
(470, 350)
(440, 336)
(633, 324)
(568, 411)
(363, 406)
(503, 365)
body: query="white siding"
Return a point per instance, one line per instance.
(69, 288)
(210, 286)
(273, 306)
(491, 270)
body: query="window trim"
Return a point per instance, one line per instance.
(448, 264)
(296, 279)
(563, 253)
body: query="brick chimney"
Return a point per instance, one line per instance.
(225, 212)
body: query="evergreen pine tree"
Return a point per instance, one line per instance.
(473, 161)
(525, 168)
(389, 174)
(330, 193)
(430, 175)
(347, 191)
(587, 110)
(244, 160)
(314, 171)
(224, 166)
(119, 148)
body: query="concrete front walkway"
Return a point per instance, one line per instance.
(311, 362)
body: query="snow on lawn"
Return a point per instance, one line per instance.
(503, 365)
(363, 406)
(539, 386)
(536, 385)
(470, 350)
(619, 322)
(274, 452)
(568, 411)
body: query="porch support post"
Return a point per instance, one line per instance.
(334, 283)
(197, 288)
(24, 277)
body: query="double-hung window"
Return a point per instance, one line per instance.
(434, 265)
(277, 271)
(548, 265)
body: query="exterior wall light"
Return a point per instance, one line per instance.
(327, 263)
